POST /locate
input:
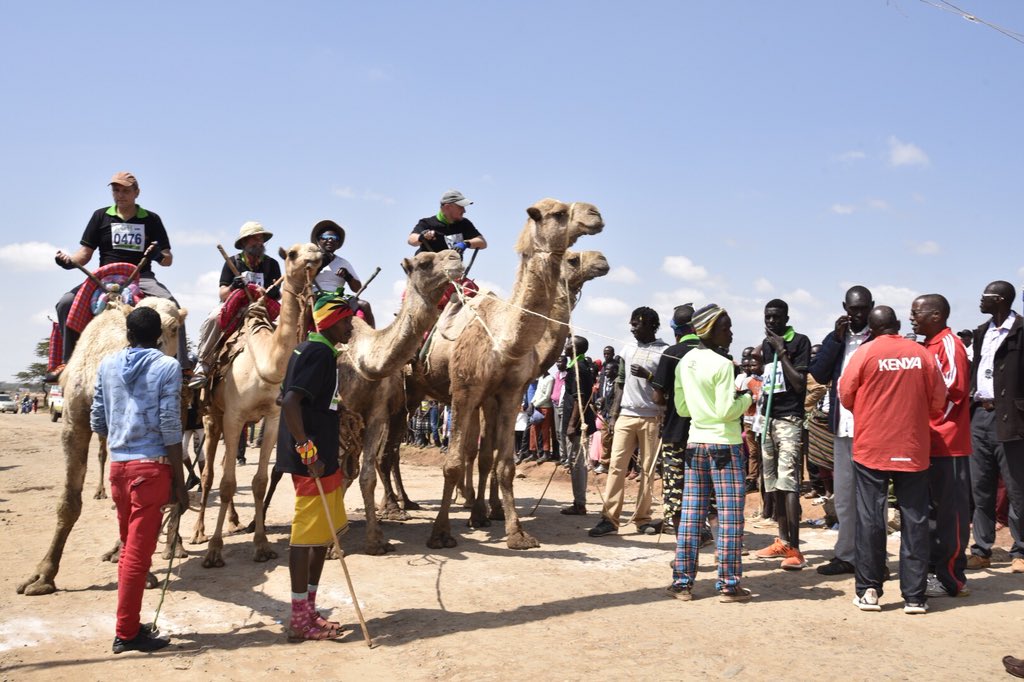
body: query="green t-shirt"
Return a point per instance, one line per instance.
(705, 392)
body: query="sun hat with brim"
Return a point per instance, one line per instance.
(327, 226)
(251, 229)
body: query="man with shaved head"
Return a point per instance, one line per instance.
(851, 331)
(949, 481)
(997, 423)
(893, 387)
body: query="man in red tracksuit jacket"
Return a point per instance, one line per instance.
(893, 387)
(949, 475)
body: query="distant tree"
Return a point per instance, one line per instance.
(37, 370)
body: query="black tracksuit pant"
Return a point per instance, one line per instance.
(949, 487)
(872, 489)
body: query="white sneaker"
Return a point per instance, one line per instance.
(869, 601)
(915, 607)
(935, 588)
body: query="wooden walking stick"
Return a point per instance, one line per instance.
(234, 271)
(344, 566)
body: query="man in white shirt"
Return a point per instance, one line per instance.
(637, 419)
(997, 423)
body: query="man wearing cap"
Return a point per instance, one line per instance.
(255, 267)
(307, 448)
(449, 229)
(676, 429)
(122, 233)
(336, 271)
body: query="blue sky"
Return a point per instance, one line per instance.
(737, 150)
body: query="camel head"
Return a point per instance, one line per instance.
(429, 273)
(171, 318)
(301, 263)
(580, 267)
(584, 219)
(553, 226)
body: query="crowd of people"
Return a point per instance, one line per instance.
(938, 449)
(939, 423)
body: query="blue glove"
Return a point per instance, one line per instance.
(460, 246)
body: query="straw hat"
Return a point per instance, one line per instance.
(250, 229)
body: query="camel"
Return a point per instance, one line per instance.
(370, 369)
(249, 393)
(578, 268)
(492, 359)
(106, 334)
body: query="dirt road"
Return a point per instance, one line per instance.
(575, 608)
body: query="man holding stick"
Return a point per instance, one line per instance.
(307, 448)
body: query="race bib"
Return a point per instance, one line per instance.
(250, 277)
(779, 381)
(452, 239)
(128, 236)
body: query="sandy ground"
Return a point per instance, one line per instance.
(574, 608)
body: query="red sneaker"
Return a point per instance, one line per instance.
(776, 550)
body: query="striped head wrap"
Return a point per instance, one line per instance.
(704, 319)
(330, 308)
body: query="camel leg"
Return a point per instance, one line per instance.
(228, 483)
(262, 550)
(454, 472)
(212, 430)
(173, 546)
(75, 439)
(101, 491)
(485, 457)
(505, 470)
(373, 444)
(275, 478)
(389, 467)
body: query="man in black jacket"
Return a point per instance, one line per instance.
(997, 423)
(850, 332)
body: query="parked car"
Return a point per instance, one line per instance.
(56, 402)
(7, 403)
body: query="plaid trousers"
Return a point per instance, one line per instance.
(701, 473)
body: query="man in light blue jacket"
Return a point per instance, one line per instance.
(137, 407)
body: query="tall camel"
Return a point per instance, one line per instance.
(496, 355)
(106, 334)
(370, 376)
(578, 268)
(249, 393)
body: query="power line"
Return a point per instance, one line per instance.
(947, 6)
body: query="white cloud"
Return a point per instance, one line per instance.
(668, 300)
(843, 209)
(906, 154)
(851, 156)
(918, 197)
(896, 297)
(349, 192)
(28, 257)
(925, 248)
(378, 74)
(877, 204)
(494, 287)
(623, 275)
(763, 286)
(802, 297)
(682, 267)
(604, 305)
(44, 317)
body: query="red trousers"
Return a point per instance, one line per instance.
(540, 433)
(139, 489)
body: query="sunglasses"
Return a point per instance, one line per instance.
(330, 238)
(995, 296)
